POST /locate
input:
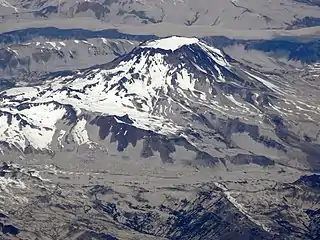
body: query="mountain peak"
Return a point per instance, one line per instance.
(170, 43)
(157, 92)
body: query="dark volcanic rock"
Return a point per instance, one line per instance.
(297, 49)
(20, 36)
(305, 22)
(123, 133)
(90, 235)
(247, 159)
(312, 181)
(9, 229)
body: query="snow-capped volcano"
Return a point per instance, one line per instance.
(173, 87)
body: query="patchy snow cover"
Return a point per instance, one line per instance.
(215, 54)
(38, 132)
(13, 50)
(8, 5)
(13, 183)
(231, 98)
(104, 40)
(53, 44)
(266, 83)
(234, 202)
(11, 133)
(170, 43)
(113, 92)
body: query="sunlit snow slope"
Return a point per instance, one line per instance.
(174, 86)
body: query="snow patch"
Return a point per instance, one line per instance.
(170, 43)
(232, 99)
(266, 83)
(79, 132)
(234, 202)
(61, 135)
(216, 55)
(14, 51)
(105, 41)
(8, 182)
(8, 5)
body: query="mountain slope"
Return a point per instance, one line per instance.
(174, 87)
(173, 140)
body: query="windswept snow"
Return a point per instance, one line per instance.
(170, 43)
(265, 82)
(215, 54)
